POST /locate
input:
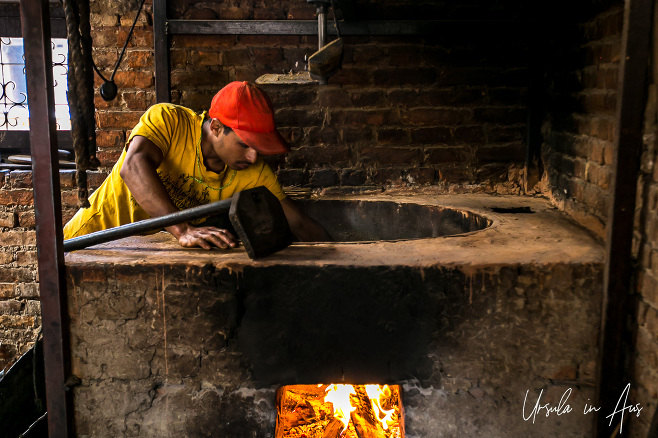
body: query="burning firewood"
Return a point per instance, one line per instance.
(334, 429)
(339, 411)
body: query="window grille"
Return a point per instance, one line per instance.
(13, 91)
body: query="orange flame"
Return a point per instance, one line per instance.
(375, 393)
(339, 396)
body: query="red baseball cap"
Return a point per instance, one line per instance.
(247, 110)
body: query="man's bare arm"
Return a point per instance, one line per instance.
(302, 226)
(139, 172)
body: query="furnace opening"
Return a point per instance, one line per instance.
(339, 411)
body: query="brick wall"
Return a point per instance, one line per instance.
(579, 127)
(447, 109)
(645, 362)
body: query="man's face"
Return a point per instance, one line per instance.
(234, 152)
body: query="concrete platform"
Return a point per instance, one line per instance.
(544, 236)
(183, 342)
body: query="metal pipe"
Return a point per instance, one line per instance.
(147, 225)
(322, 24)
(35, 23)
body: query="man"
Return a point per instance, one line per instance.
(176, 159)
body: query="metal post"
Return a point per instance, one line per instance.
(35, 23)
(616, 340)
(161, 51)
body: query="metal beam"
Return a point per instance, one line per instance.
(616, 341)
(48, 210)
(310, 27)
(161, 51)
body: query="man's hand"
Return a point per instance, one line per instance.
(206, 237)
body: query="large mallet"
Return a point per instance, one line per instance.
(256, 214)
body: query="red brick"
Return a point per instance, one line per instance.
(322, 155)
(502, 134)
(501, 115)
(28, 290)
(11, 321)
(18, 238)
(138, 100)
(368, 55)
(70, 199)
(503, 153)
(387, 176)
(178, 58)
(16, 197)
(7, 290)
(269, 40)
(108, 157)
(391, 155)
(608, 155)
(134, 79)
(353, 177)
(200, 14)
(387, 136)
(292, 135)
(434, 135)
(185, 41)
(358, 117)
(268, 55)
(140, 37)
(404, 97)
(350, 76)
(20, 179)
(6, 258)
(291, 177)
(301, 12)
(295, 97)
(10, 307)
(419, 76)
(250, 73)
(110, 139)
(298, 117)
(492, 173)
(323, 135)
(368, 98)
(67, 178)
(270, 13)
(118, 120)
(227, 12)
(446, 155)
(351, 134)
(334, 97)
(26, 219)
(203, 58)
(594, 197)
(403, 55)
(139, 59)
(7, 219)
(421, 175)
(96, 178)
(505, 96)
(436, 116)
(27, 258)
(237, 57)
(201, 78)
(17, 275)
(323, 178)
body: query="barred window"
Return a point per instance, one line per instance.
(13, 94)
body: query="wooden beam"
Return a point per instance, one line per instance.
(617, 318)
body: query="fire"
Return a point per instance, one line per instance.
(375, 393)
(339, 397)
(339, 411)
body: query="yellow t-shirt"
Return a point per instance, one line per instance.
(176, 130)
